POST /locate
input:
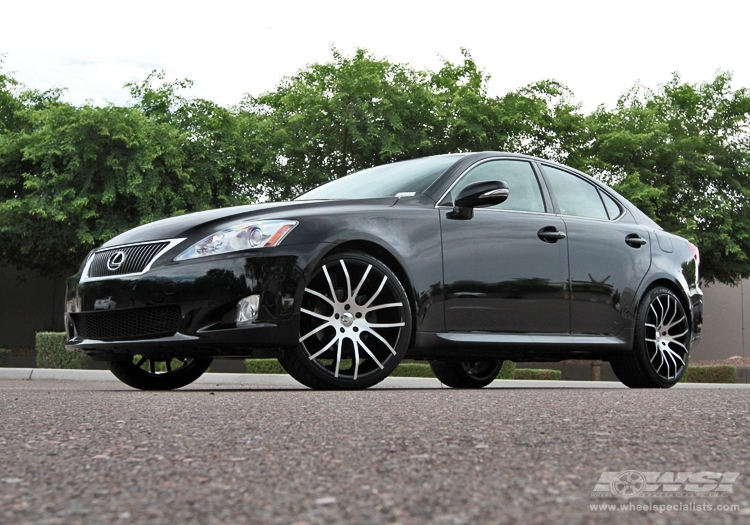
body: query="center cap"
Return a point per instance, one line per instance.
(347, 319)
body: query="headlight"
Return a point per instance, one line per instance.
(243, 236)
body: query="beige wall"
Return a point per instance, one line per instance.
(725, 319)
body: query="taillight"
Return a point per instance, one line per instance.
(696, 253)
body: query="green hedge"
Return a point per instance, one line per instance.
(272, 366)
(710, 374)
(508, 371)
(413, 370)
(51, 353)
(263, 366)
(4, 356)
(538, 374)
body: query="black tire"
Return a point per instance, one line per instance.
(659, 357)
(466, 374)
(355, 324)
(159, 374)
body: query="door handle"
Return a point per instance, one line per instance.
(550, 234)
(635, 240)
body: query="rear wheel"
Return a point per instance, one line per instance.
(147, 373)
(662, 343)
(466, 374)
(355, 324)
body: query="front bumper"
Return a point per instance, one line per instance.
(189, 309)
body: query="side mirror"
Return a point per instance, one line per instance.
(476, 195)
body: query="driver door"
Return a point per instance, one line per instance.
(506, 269)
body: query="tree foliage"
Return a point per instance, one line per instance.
(682, 154)
(71, 177)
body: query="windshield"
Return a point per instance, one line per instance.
(385, 181)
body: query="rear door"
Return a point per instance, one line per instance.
(609, 253)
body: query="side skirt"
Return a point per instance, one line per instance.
(518, 347)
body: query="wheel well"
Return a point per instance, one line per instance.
(676, 290)
(386, 257)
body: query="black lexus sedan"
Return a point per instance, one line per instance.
(463, 260)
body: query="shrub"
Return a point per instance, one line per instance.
(51, 353)
(4, 356)
(272, 366)
(710, 374)
(413, 370)
(538, 374)
(508, 371)
(263, 366)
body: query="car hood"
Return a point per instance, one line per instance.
(189, 224)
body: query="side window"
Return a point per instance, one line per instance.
(613, 209)
(525, 194)
(574, 195)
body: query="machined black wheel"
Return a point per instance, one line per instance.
(466, 374)
(662, 343)
(147, 373)
(355, 324)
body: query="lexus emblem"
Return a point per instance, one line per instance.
(115, 261)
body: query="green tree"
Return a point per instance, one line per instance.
(334, 118)
(682, 154)
(73, 177)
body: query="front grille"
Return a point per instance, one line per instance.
(138, 322)
(134, 259)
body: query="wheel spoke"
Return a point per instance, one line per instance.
(382, 340)
(377, 292)
(140, 362)
(168, 364)
(356, 360)
(656, 315)
(314, 314)
(680, 344)
(314, 331)
(384, 325)
(321, 296)
(326, 347)
(362, 280)
(381, 306)
(338, 358)
(348, 281)
(675, 354)
(681, 334)
(330, 284)
(364, 347)
(668, 326)
(152, 365)
(673, 362)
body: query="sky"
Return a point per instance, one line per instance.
(599, 49)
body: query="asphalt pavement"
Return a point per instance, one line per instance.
(94, 452)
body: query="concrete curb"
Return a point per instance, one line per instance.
(282, 380)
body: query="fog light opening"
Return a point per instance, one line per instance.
(247, 309)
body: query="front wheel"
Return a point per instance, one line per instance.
(662, 342)
(145, 373)
(355, 324)
(466, 374)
